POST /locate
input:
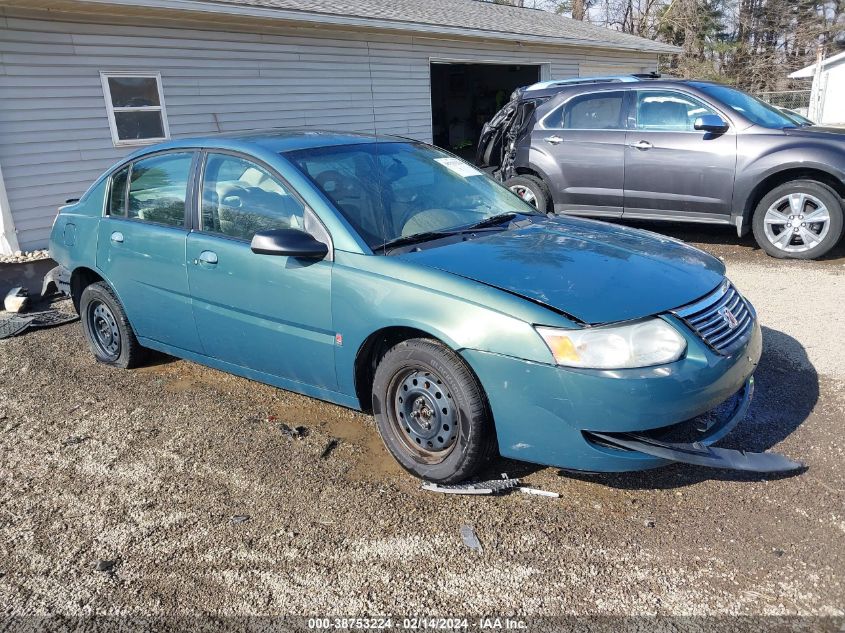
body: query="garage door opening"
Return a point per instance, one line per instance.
(465, 96)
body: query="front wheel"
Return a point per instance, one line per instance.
(431, 412)
(799, 220)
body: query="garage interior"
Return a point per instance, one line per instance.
(465, 96)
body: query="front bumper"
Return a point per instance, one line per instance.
(542, 411)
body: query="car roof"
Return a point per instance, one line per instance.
(545, 89)
(274, 140)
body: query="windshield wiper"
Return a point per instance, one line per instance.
(427, 236)
(493, 220)
(416, 238)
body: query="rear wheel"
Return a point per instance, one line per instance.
(106, 328)
(800, 220)
(431, 412)
(531, 189)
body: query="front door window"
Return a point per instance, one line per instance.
(668, 111)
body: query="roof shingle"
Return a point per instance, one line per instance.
(473, 17)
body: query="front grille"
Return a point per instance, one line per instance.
(723, 319)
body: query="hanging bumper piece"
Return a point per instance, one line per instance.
(701, 453)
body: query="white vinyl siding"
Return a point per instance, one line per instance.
(54, 121)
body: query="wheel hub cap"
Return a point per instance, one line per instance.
(796, 222)
(525, 193)
(425, 413)
(104, 328)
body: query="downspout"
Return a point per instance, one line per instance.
(815, 109)
(8, 235)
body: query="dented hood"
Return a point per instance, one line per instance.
(593, 271)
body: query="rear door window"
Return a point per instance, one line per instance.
(117, 197)
(598, 111)
(159, 188)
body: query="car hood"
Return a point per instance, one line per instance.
(817, 131)
(592, 271)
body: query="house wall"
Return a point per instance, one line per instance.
(53, 121)
(833, 112)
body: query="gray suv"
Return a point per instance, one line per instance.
(658, 149)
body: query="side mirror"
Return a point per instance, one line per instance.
(288, 243)
(711, 123)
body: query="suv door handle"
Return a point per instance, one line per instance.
(641, 145)
(553, 140)
(117, 237)
(207, 258)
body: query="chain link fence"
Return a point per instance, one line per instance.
(798, 100)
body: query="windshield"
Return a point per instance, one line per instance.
(752, 108)
(392, 190)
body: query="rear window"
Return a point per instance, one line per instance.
(598, 111)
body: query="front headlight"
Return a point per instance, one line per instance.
(641, 344)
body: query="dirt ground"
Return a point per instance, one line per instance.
(180, 476)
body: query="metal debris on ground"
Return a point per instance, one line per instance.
(330, 446)
(295, 432)
(16, 299)
(240, 518)
(17, 324)
(470, 539)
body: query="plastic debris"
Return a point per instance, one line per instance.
(295, 432)
(18, 324)
(489, 487)
(105, 565)
(470, 539)
(538, 492)
(330, 446)
(16, 299)
(240, 518)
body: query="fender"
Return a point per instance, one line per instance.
(804, 158)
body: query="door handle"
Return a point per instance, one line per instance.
(117, 237)
(641, 145)
(208, 258)
(553, 140)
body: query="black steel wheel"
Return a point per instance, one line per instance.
(431, 411)
(104, 330)
(424, 416)
(107, 329)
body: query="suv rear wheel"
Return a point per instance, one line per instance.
(801, 219)
(531, 189)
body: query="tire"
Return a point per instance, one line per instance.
(431, 412)
(775, 238)
(531, 189)
(107, 330)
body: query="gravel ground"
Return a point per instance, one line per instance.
(180, 476)
(21, 257)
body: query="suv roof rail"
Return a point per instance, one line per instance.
(576, 81)
(649, 75)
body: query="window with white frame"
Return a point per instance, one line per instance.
(135, 104)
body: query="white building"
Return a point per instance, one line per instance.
(83, 82)
(827, 100)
